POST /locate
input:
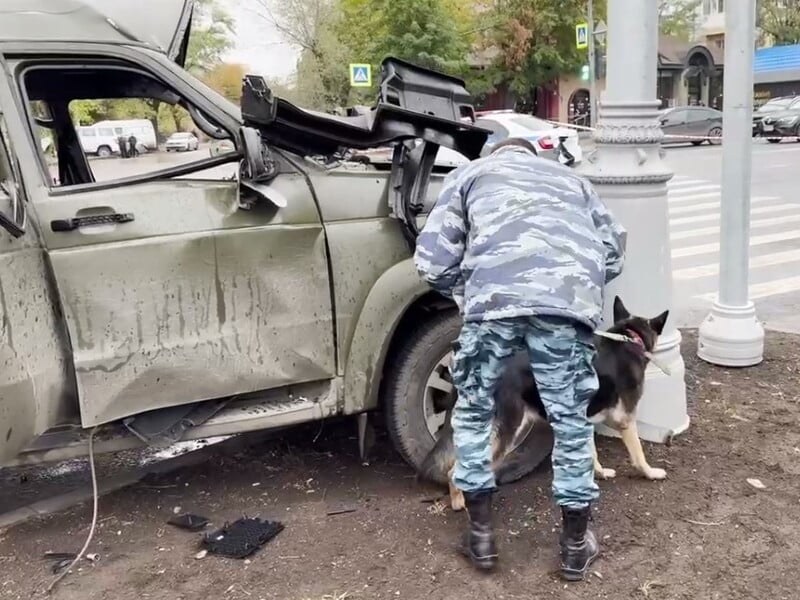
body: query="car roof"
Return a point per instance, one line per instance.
(92, 21)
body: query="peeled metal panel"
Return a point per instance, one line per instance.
(164, 24)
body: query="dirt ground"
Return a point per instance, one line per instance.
(704, 533)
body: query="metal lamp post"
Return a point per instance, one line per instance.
(629, 173)
(731, 335)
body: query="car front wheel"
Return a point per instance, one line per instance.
(418, 387)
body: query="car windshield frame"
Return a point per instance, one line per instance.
(523, 121)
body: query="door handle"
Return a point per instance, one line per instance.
(73, 223)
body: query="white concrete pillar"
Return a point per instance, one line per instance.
(629, 173)
(731, 334)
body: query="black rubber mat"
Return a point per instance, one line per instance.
(241, 538)
(189, 521)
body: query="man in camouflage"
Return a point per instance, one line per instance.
(524, 246)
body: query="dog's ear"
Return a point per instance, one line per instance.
(657, 323)
(620, 312)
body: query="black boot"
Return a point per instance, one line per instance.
(478, 543)
(579, 547)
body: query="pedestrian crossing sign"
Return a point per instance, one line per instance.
(582, 35)
(360, 75)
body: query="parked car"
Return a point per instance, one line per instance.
(693, 124)
(182, 142)
(774, 119)
(167, 305)
(545, 135)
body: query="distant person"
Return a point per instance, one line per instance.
(132, 141)
(123, 146)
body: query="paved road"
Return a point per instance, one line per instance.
(694, 200)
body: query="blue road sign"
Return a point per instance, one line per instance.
(360, 75)
(582, 35)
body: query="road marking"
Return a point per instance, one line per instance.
(764, 290)
(695, 188)
(754, 241)
(762, 210)
(756, 262)
(689, 198)
(690, 233)
(682, 210)
(684, 183)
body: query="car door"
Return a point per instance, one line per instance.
(674, 123)
(698, 122)
(35, 387)
(171, 292)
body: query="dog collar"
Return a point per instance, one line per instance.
(636, 339)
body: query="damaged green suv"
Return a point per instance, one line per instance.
(168, 296)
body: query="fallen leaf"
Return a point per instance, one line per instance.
(200, 555)
(756, 483)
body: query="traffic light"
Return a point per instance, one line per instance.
(585, 72)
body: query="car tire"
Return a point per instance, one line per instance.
(696, 142)
(715, 132)
(407, 386)
(774, 140)
(104, 152)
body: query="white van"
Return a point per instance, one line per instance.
(101, 138)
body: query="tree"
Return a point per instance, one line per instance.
(211, 37)
(226, 78)
(678, 18)
(779, 21)
(429, 33)
(534, 42)
(310, 25)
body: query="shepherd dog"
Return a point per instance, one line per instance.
(521, 436)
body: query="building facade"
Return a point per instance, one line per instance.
(689, 73)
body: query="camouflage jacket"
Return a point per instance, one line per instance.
(514, 235)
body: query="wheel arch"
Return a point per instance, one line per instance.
(397, 302)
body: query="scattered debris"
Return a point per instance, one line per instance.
(597, 574)
(341, 510)
(756, 483)
(201, 555)
(437, 508)
(648, 585)
(241, 538)
(64, 559)
(189, 521)
(176, 510)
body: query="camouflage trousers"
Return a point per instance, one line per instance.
(561, 353)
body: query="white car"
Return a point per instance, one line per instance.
(543, 134)
(182, 142)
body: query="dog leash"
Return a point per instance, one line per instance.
(619, 337)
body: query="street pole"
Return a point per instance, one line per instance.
(731, 334)
(592, 66)
(628, 171)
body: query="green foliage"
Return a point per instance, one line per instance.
(779, 21)
(678, 18)
(423, 32)
(211, 37)
(535, 42)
